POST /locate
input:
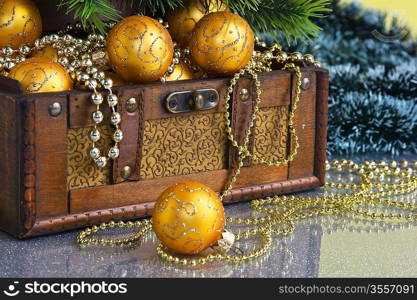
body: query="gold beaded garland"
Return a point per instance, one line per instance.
(222, 43)
(188, 217)
(281, 212)
(20, 23)
(140, 49)
(182, 20)
(40, 75)
(117, 81)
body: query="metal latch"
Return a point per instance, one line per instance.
(186, 101)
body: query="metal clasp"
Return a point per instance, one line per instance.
(186, 101)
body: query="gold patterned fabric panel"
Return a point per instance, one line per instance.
(82, 172)
(271, 133)
(184, 145)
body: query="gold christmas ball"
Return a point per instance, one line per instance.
(20, 23)
(48, 52)
(188, 218)
(181, 72)
(40, 75)
(140, 49)
(182, 20)
(222, 43)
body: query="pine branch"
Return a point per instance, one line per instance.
(155, 8)
(288, 19)
(283, 18)
(92, 12)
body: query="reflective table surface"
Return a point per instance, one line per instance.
(325, 246)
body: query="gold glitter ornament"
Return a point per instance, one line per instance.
(188, 218)
(222, 43)
(20, 23)
(181, 72)
(140, 49)
(48, 52)
(182, 20)
(40, 75)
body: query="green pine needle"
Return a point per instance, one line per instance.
(285, 19)
(92, 12)
(288, 19)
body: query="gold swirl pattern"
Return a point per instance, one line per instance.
(184, 145)
(82, 173)
(140, 49)
(222, 43)
(178, 146)
(39, 75)
(20, 23)
(271, 133)
(182, 20)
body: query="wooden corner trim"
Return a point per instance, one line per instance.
(28, 207)
(321, 124)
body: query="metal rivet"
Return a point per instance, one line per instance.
(244, 94)
(198, 100)
(55, 109)
(126, 172)
(131, 105)
(305, 84)
(173, 103)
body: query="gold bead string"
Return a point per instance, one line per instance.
(261, 64)
(144, 226)
(351, 224)
(279, 213)
(9, 57)
(83, 60)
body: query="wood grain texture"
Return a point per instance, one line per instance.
(305, 126)
(28, 205)
(129, 193)
(80, 107)
(51, 157)
(8, 85)
(273, 95)
(135, 211)
(46, 206)
(322, 90)
(9, 165)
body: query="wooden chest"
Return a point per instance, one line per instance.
(49, 184)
